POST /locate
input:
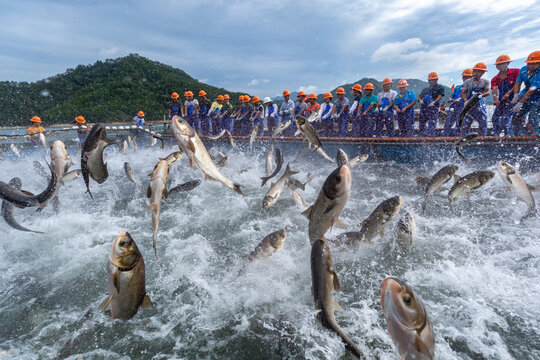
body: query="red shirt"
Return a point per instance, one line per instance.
(511, 78)
(312, 108)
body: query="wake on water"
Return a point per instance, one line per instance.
(477, 271)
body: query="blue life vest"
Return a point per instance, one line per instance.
(428, 99)
(175, 108)
(384, 103)
(190, 109)
(326, 110)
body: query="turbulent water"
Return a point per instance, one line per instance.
(477, 271)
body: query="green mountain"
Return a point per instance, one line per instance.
(110, 90)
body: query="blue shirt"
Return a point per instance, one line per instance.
(402, 100)
(457, 93)
(138, 121)
(530, 80)
(366, 101)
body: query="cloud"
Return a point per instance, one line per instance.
(255, 82)
(309, 89)
(396, 49)
(109, 53)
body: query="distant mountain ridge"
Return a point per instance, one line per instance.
(106, 91)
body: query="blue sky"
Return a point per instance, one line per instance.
(262, 47)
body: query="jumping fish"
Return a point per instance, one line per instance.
(173, 157)
(307, 131)
(279, 164)
(519, 186)
(329, 204)
(126, 279)
(132, 143)
(324, 281)
(468, 183)
(123, 146)
(323, 153)
(7, 209)
(299, 201)
(156, 190)
(405, 229)
(223, 159)
(43, 143)
(252, 136)
(277, 189)
(343, 159)
(15, 150)
(407, 320)
(153, 142)
(190, 185)
(269, 160)
(269, 245)
(71, 175)
(129, 172)
(279, 129)
(230, 138)
(60, 159)
(464, 141)
(357, 160)
(469, 104)
(223, 132)
(293, 183)
(440, 178)
(190, 143)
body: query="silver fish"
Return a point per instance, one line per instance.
(279, 164)
(252, 136)
(269, 160)
(7, 209)
(464, 141)
(307, 131)
(129, 172)
(71, 175)
(277, 189)
(190, 185)
(405, 230)
(469, 104)
(440, 178)
(299, 201)
(279, 129)
(43, 142)
(468, 183)
(230, 138)
(218, 136)
(519, 186)
(15, 150)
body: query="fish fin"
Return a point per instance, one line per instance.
(27, 193)
(468, 195)
(337, 285)
(337, 307)
(508, 188)
(105, 304)
(328, 208)
(422, 348)
(456, 178)
(533, 188)
(190, 145)
(146, 302)
(165, 193)
(438, 189)
(297, 133)
(272, 183)
(508, 178)
(190, 162)
(519, 198)
(307, 212)
(148, 192)
(340, 224)
(116, 279)
(362, 223)
(238, 189)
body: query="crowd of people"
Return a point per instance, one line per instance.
(517, 110)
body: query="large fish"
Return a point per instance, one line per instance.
(519, 186)
(468, 183)
(279, 164)
(129, 172)
(343, 159)
(323, 153)
(357, 160)
(269, 164)
(307, 131)
(7, 209)
(43, 142)
(190, 143)
(269, 245)
(218, 136)
(440, 178)
(126, 279)
(71, 175)
(230, 138)
(376, 223)
(324, 281)
(252, 136)
(464, 141)
(293, 183)
(405, 229)
(299, 201)
(277, 189)
(173, 157)
(279, 129)
(60, 159)
(92, 164)
(407, 320)
(132, 143)
(469, 104)
(188, 186)
(223, 159)
(325, 212)
(156, 190)
(15, 150)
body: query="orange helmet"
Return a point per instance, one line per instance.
(226, 97)
(255, 99)
(387, 81)
(246, 99)
(301, 93)
(432, 76)
(202, 93)
(340, 91)
(533, 57)
(327, 95)
(36, 119)
(80, 119)
(357, 87)
(140, 114)
(402, 83)
(241, 98)
(189, 93)
(286, 92)
(312, 96)
(369, 86)
(220, 98)
(174, 95)
(480, 66)
(503, 59)
(467, 72)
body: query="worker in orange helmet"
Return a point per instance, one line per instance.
(480, 87)
(353, 110)
(286, 112)
(82, 129)
(226, 113)
(257, 117)
(429, 106)
(340, 112)
(138, 121)
(175, 107)
(191, 106)
(326, 124)
(34, 130)
(455, 108)
(528, 100)
(385, 117)
(213, 114)
(242, 125)
(204, 106)
(312, 105)
(404, 106)
(366, 111)
(300, 108)
(236, 114)
(502, 89)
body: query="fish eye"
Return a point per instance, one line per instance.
(407, 299)
(123, 243)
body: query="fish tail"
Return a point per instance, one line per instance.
(238, 189)
(264, 180)
(89, 193)
(530, 213)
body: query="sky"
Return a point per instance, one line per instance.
(263, 47)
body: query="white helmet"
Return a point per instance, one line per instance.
(267, 100)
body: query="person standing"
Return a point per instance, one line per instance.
(300, 109)
(385, 118)
(225, 114)
(138, 121)
(244, 125)
(82, 129)
(455, 108)
(528, 101)
(340, 112)
(175, 108)
(270, 114)
(502, 89)
(285, 111)
(257, 116)
(204, 106)
(366, 111)
(476, 85)
(191, 106)
(404, 106)
(34, 130)
(326, 124)
(429, 106)
(353, 110)
(214, 114)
